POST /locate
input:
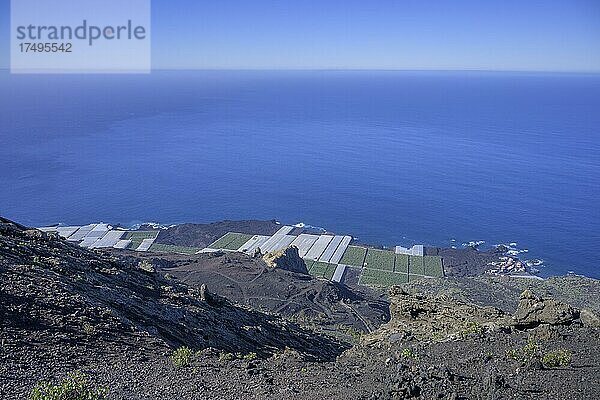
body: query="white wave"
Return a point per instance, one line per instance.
(308, 226)
(153, 225)
(474, 243)
(535, 262)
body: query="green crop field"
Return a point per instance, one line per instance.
(401, 263)
(380, 278)
(238, 241)
(223, 241)
(416, 265)
(136, 237)
(168, 248)
(433, 266)
(354, 256)
(380, 259)
(320, 269)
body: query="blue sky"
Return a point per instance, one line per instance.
(520, 35)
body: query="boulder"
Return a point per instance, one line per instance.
(534, 311)
(147, 266)
(287, 259)
(436, 318)
(35, 234)
(589, 318)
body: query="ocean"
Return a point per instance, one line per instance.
(440, 158)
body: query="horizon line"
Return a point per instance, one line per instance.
(267, 69)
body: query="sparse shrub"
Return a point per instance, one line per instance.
(226, 356)
(350, 331)
(182, 356)
(473, 328)
(237, 356)
(525, 354)
(407, 352)
(146, 266)
(88, 328)
(438, 336)
(557, 358)
(74, 387)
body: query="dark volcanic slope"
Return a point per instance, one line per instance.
(249, 281)
(201, 235)
(62, 306)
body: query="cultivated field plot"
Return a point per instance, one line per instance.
(145, 245)
(122, 244)
(433, 266)
(380, 259)
(168, 248)
(331, 248)
(380, 278)
(339, 252)
(81, 233)
(223, 241)
(137, 237)
(98, 232)
(66, 231)
(304, 242)
(339, 272)
(320, 269)
(401, 263)
(239, 239)
(109, 240)
(354, 256)
(251, 245)
(416, 266)
(88, 241)
(319, 247)
(277, 243)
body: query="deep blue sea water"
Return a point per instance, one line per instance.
(390, 157)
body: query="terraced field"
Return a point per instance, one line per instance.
(168, 248)
(354, 256)
(401, 263)
(380, 278)
(416, 265)
(380, 259)
(433, 266)
(137, 237)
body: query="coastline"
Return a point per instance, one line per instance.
(470, 260)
